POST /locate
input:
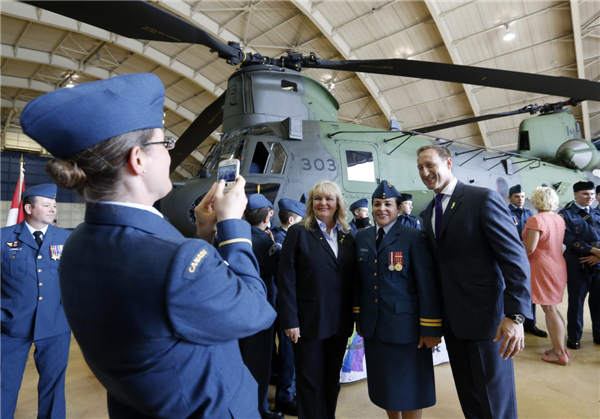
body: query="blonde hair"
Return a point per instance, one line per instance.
(330, 189)
(544, 199)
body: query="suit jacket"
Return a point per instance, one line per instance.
(398, 305)
(31, 301)
(158, 316)
(315, 287)
(482, 265)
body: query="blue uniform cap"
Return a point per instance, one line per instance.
(256, 201)
(304, 198)
(361, 203)
(584, 186)
(385, 190)
(67, 121)
(406, 197)
(46, 190)
(294, 206)
(515, 189)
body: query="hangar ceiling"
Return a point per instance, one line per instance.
(42, 52)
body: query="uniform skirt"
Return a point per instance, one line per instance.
(399, 376)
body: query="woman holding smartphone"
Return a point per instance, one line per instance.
(315, 282)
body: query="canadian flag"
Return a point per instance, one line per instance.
(16, 215)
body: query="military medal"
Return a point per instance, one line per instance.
(13, 244)
(56, 251)
(391, 261)
(395, 261)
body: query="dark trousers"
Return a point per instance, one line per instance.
(318, 364)
(286, 372)
(51, 357)
(579, 284)
(531, 322)
(256, 353)
(484, 381)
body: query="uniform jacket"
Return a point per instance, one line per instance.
(410, 221)
(315, 287)
(353, 228)
(158, 316)
(399, 306)
(482, 264)
(31, 301)
(267, 254)
(280, 237)
(520, 217)
(579, 233)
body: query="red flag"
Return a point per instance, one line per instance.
(16, 215)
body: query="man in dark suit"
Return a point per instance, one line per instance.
(32, 311)
(520, 215)
(484, 275)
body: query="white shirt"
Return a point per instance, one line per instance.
(580, 207)
(43, 230)
(447, 192)
(133, 205)
(331, 239)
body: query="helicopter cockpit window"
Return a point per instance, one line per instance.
(279, 158)
(361, 167)
(230, 148)
(260, 158)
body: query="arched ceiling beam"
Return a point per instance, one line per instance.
(342, 46)
(576, 19)
(442, 25)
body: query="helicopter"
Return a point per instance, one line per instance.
(282, 124)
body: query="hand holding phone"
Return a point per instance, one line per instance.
(229, 170)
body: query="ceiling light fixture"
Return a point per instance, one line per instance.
(509, 35)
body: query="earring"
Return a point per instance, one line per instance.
(144, 171)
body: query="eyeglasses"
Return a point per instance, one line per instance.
(169, 143)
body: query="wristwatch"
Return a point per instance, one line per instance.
(517, 318)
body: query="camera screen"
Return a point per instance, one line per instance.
(227, 173)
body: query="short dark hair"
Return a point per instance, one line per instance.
(255, 217)
(442, 150)
(398, 200)
(30, 199)
(284, 215)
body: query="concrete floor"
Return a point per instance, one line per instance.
(543, 390)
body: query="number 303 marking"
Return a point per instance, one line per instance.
(319, 165)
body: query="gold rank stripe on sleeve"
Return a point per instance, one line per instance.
(235, 241)
(431, 322)
(356, 310)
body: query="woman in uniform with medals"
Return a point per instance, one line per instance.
(398, 310)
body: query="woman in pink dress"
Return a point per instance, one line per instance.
(543, 235)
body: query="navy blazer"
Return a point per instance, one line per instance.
(31, 303)
(315, 287)
(399, 306)
(158, 316)
(481, 262)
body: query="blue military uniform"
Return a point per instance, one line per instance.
(157, 316)
(581, 234)
(361, 203)
(296, 207)
(32, 312)
(398, 301)
(407, 219)
(520, 217)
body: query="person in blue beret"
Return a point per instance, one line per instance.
(520, 215)
(157, 316)
(397, 309)
(405, 217)
(360, 211)
(257, 349)
(32, 312)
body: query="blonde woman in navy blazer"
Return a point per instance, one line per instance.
(399, 310)
(316, 275)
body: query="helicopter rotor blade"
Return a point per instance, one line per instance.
(138, 19)
(454, 73)
(209, 120)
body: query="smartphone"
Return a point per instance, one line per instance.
(229, 170)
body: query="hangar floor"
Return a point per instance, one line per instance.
(543, 390)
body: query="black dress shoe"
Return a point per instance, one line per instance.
(533, 329)
(268, 414)
(597, 341)
(573, 344)
(290, 408)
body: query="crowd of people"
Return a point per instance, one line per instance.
(175, 327)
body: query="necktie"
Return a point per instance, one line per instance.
(439, 213)
(380, 234)
(38, 237)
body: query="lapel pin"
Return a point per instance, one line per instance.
(453, 204)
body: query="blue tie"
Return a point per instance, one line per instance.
(439, 213)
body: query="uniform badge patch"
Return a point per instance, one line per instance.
(13, 244)
(56, 251)
(273, 249)
(197, 260)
